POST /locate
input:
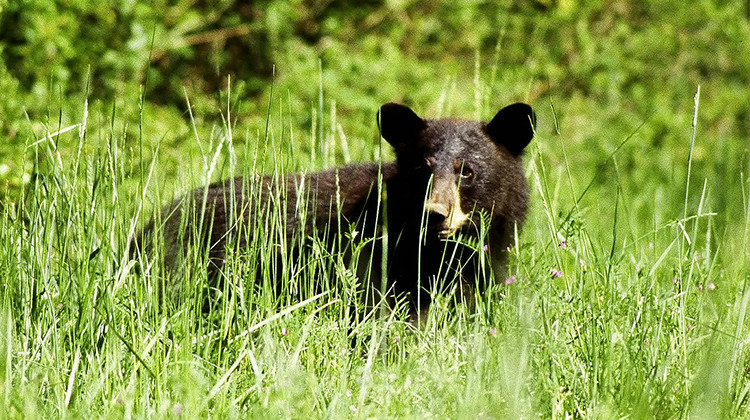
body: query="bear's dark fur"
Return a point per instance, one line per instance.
(446, 174)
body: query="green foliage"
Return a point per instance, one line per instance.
(648, 317)
(641, 319)
(607, 67)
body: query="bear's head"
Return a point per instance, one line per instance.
(462, 166)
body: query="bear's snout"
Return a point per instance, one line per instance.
(443, 208)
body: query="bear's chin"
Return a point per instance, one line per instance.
(446, 233)
(443, 233)
(468, 228)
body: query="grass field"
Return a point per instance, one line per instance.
(628, 290)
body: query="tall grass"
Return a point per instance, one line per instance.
(604, 313)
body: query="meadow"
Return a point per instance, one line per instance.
(627, 294)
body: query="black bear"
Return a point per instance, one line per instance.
(448, 176)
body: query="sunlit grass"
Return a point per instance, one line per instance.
(604, 313)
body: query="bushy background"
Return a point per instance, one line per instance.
(606, 66)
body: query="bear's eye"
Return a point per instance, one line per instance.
(466, 172)
(424, 166)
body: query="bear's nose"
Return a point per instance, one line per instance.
(436, 214)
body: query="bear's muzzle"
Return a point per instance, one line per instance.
(444, 211)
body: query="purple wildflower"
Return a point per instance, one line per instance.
(284, 331)
(563, 244)
(711, 286)
(493, 331)
(510, 280)
(555, 272)
(700, 287)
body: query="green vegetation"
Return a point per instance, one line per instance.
(641, 214)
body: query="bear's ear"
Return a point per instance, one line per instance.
(513, 127)
(398, 124)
